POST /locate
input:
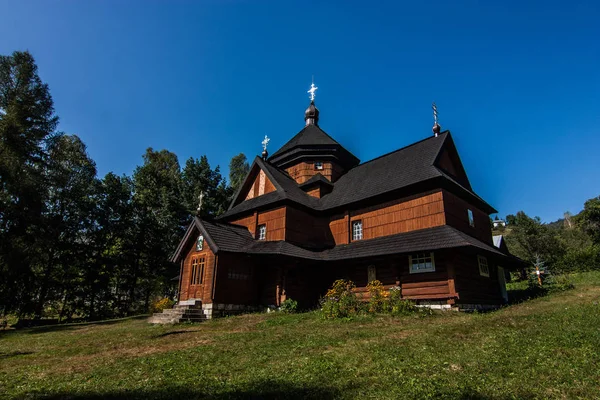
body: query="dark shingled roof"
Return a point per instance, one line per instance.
(311, 135)
(219, 236)
(316, 178)
(237, 239)
(285, 188)
(399, 169)
(403, 167)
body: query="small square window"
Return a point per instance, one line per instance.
(319, 166)
(262, 232)
(484, 270)
(421, 262)
(200, 243)
(357, 231)
(471, 219)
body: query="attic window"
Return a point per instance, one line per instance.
(357, 231)
(318, 166)
(262, 232)
(484, 270)
(200, 243)
(471, 219)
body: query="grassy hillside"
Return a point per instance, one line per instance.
(543, 348)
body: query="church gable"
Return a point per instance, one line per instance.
(260, 185)
(257, 183)
(449, 162)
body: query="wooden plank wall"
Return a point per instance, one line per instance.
(249, 222)
(456, 216)
(426, 285)
(305, 229)
(338, 225)
(236, 291)
(398, 216)
(472, 287)
(393, 271)
(303, 171)
(203, 291)
(316, 192)
(275, 221)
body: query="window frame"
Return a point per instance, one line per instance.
(357, 234)
(486, 271)
(197, 271)
(421, 256)
(471, 218)
(261, 232)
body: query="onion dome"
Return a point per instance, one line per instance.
(311, 115)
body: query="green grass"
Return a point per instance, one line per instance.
(548, 347)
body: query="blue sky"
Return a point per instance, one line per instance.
(517, 83)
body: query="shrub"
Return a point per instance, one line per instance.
(161, 304)
(398, 305)
(378, 297)
(289, 306)
(340, 301)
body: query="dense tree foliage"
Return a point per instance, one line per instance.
(563, 246)
(238, 169)
(73, 244)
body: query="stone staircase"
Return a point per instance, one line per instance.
(182, 312)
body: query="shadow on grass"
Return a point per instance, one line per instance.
(162, 335)
(258, 390)
(262, 390)
(516, 296)
(67, 327)
(14, 354)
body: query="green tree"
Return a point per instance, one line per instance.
(589, 219)
(238, 169)
(529, 238)
(159, 218)
(27, 122)
(67, 221)
(197, 176)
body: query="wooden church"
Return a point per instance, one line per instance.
(312, 213)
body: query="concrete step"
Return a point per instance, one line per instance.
(178, 314)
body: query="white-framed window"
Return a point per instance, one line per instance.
(484, 270)
(357, 232)
(200, 243)
(371, 273)
(262, 232)
(318, 165)
(471, 219)
(421, 262)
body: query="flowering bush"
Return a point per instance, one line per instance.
(378, 299)
(340, 301)
(161, 304)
